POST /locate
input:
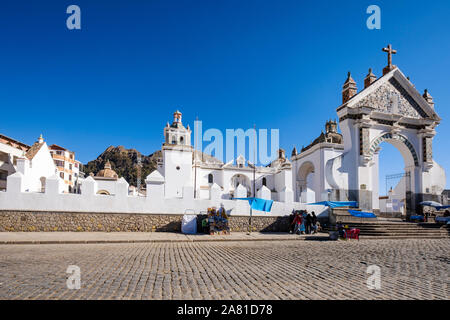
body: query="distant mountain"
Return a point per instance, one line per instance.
(124, 162)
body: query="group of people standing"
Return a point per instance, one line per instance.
(303, 222)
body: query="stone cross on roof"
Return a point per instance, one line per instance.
(390, 52)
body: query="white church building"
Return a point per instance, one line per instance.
(183, 167)
(336, 166)
(33, 169)
(340, 165)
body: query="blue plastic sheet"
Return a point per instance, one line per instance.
(434, 204)
(258, 204)
(442, 219)
(336, 204)
(431, 204)
(361, 214)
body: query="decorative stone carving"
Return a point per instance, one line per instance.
(392, 98)
(364, 141)
(427, 150)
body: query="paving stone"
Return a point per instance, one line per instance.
(410, 269)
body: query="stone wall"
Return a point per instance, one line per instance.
(31, 221)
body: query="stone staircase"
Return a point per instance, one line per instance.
(400, 230)
(341, 214)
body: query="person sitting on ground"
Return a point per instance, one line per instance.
(318, 227)
(341, 230)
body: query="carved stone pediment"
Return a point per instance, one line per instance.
(392, 98)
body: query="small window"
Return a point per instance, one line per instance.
(59, 163)
(264, 181)
(174, 140)
(181, 140)
(61, 174)
(3, 174)
(210, 178)
(70, 166)
(70, 177)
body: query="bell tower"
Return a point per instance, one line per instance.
(177, 158)
(176, 133)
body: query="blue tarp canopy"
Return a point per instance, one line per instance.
(258, 204)
(336, 204)
(361, 214)
(431, 203)
(434, 204)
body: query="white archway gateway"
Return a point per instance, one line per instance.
(346, 164)
(391, 110)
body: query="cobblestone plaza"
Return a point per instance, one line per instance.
(410, 269)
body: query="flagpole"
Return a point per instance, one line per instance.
(254, 181)
(195, 156)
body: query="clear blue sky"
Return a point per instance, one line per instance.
(279, 64)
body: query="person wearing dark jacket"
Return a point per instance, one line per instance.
(308, 222)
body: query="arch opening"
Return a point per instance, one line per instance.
(305, 185)
(103, 192)
(401, 143)
(394, 162)
(240, 179)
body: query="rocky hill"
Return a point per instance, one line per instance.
(124, 162)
